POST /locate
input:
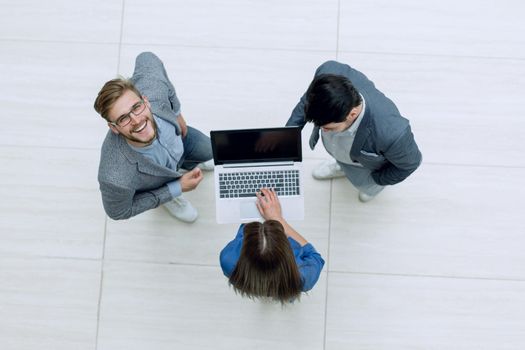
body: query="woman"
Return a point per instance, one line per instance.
(270, 260)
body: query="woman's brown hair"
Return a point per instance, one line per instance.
(266, 267)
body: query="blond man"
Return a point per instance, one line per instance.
(150, 156)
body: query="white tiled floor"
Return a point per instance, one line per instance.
(436, 262)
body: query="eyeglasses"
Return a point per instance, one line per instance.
(125, 119)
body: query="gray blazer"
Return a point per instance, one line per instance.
(384, 142)
(129, 182)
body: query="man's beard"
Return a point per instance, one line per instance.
(147, 142)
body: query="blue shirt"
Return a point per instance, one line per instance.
(166, 150)
(308, 260)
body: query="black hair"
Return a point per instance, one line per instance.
(329, 99)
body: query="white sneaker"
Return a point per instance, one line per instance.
(181, 209)
(208, 165)
(329, 169)
(363, 197)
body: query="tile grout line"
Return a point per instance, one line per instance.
(337, 31)
(330, 203)
(411, 275)
(51, 147)
(101, 279)
(328, 262)
(105, 216)
(305, 157)
(341, 272)
(116, 260)
(119, 54)
(260, 48)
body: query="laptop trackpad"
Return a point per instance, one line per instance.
(249, 210)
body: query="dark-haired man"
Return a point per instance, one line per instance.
(370, 142)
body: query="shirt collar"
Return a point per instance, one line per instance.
(353, 128)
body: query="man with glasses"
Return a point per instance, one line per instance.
(370, 142)
(150, 156)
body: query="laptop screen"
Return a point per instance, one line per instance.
(256, 145)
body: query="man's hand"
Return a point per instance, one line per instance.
(269, 205)
(183, 126)
(190, 180)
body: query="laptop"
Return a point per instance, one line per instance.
(250, 159)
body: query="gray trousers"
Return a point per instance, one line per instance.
(361, 179)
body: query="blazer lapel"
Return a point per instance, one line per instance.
(361, 135)
(314, 137)
(144, 165)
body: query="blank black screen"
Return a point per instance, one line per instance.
(244, 146)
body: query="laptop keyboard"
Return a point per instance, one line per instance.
(245, 184)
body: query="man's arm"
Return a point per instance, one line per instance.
(151, 79)
(404, 158)
(122, 203)
(297, 117)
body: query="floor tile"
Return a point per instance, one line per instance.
(51, 203)
(443, 220)
(48, 303)
(51, 221)
(46, 166)
(403, 312)
(170, 306)
(470, 28)
(60, 20)
(48, 92)
(307, 24)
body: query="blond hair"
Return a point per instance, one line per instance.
(110, 93)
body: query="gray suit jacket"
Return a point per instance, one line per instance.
(384, 142)
(129, 182)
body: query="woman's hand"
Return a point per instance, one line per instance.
(268, 204)
(270, 209)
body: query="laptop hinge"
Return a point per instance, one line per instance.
(258, 164)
